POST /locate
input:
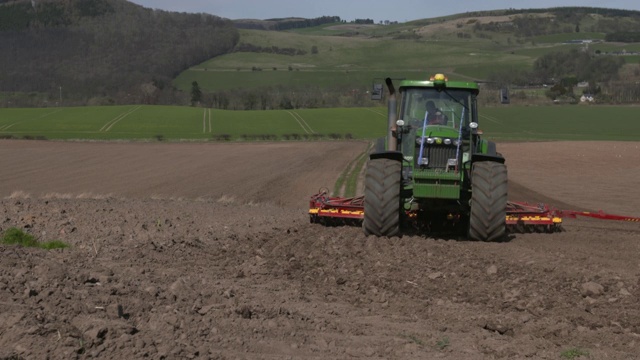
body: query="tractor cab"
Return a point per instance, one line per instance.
(436, 120)
(422, 107)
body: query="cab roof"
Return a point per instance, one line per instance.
(461, 85)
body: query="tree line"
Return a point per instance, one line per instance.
(305, 23)
(529, 23)
(289, 97)
(626, 36)
(285, 24)
(573, 11)
(563, 70)
(244, 47)
(571, 66)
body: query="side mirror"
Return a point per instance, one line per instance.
(376, 92)
(504, 95)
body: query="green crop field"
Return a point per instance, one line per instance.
(174, 123)
(570, 122)
(188, 123)
(559, 38)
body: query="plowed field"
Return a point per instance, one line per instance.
(205, 251)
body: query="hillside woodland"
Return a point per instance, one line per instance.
(92, 50)
(115, 52)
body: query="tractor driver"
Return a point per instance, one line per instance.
(436, 117)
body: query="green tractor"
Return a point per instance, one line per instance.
(433, 169)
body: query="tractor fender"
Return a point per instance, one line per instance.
(491, 154)
(491, 148)
(392, 155)
(487, 157)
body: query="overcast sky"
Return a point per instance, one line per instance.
(393, 10)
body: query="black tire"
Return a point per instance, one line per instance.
(382, 197)
(488, 201)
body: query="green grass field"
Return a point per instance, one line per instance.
(187, 123)
(137, 122)
(570, 122)
(352, 60)
(351, 54)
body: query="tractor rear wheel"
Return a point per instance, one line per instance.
(488, 201)
(382, 197)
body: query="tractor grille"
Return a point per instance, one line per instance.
(438, 155)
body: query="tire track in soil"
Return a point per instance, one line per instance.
(354, 172)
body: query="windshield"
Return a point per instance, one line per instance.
(428, 106)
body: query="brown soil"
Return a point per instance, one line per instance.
(205, 251)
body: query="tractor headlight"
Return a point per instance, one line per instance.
(456, 142)
(439, 141)
(430, 140)
(400, 122)
(473, 125)
(447, 141)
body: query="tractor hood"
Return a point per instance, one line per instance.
(438, 131)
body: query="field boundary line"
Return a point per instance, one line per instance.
(301, 122)
(106, 127)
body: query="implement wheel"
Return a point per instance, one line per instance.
(382, 197)
(488, 201)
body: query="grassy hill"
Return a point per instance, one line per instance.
(348, 57)
(115, 52)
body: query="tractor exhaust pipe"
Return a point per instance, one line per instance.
(392, 141)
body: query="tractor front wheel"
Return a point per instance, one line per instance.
(382, 197)
(488, 201)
